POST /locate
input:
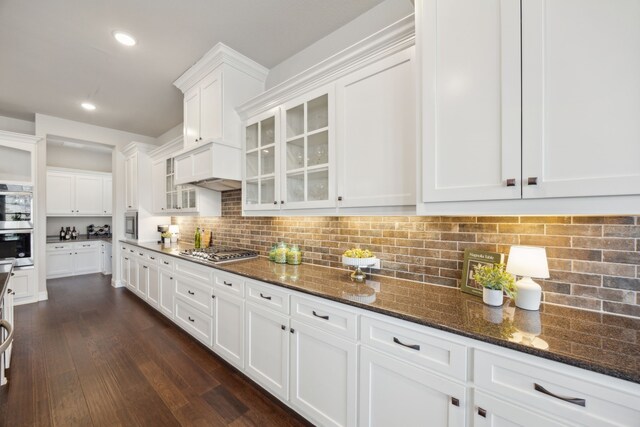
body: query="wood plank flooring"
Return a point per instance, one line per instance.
(93, 355)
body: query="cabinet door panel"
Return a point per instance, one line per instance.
(323, 376)
(166, 293)
(211, 107)
(107, 196)
(229, 329)
(581, 97)
(470, 99)
(22, 283)
(395, 393)
(60, 193)
(376, 109)
(267, 357)
(158, 187)
(153, 285)
(88, 195)
(59, 264)
(191, 117)
(86, 261)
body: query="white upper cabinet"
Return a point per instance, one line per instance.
(131, 182)
(529, 104)
(261, 189)
(344, 138)
(76, 193)
(470, 99)
(581, 97)
(220, 81)
(376, 133)
(307, 158)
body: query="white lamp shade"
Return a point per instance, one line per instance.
(528, 261)
(174, 229)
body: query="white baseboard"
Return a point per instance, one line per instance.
(43, 296)
(117, 283)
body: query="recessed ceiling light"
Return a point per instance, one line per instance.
(124, 38)
(88, 106)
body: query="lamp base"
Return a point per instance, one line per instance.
(529, 294)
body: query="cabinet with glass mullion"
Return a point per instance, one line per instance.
(178, 197)
(261, 162)
(308, 179)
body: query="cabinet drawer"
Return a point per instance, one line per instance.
(415, 346)
(165, 262)
(152, 258)
(229, 283)
(59, 247)
(268, 296)
(542, 385)
(198, 324)
(198, 295)
(87, 245)
(193, 270)
(330, 318)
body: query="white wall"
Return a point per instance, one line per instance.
(78, 158)
(377, 18)
(16, 125)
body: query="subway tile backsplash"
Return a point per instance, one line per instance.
(593, 261)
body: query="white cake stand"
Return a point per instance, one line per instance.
(358, 275)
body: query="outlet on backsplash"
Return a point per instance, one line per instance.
(593, 260)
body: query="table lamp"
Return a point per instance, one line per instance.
(174, 230)
(528, 262)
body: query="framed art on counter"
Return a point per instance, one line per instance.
(473, 258)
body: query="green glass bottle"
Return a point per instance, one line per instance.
(197, 239)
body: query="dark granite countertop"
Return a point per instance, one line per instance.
(600, 342)
(6, 267)
(81, 238)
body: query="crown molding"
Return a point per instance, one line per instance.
(394, 38)
(218, 55)
(134, 146)
(18, 137)
(168, 149)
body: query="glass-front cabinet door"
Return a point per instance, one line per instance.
(179, 197)
(262, 134)
(308, 171)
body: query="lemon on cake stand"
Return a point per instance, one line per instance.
(358, 258)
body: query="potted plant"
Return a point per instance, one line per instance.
(495, 282)
(166, 237)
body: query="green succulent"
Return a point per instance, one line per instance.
(494, 276)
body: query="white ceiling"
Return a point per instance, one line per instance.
(56, 54)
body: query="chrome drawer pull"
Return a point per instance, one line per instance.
(322, 317)
(411, 346)
(265, 297)
(227, 283)
(190, 319)
(165, 262)
(574, 400)
(191, 293)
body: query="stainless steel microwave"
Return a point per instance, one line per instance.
(15, 207)
(131, 225)
(17, 244)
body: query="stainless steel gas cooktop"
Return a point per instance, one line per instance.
(218, 255)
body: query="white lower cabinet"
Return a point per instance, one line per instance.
(23, 285)
(73, 259)
(166, 284)
(228, 337)
(393, 392)
(153, 285)
(323, 376)
(267, 349)
(106, 256)
(493, 412)
(341, 366)
(192, 320)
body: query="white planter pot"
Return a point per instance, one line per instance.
(167, 241)
(492, 297)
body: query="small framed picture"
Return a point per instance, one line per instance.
(473, 258)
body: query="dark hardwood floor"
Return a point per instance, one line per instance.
(95, 355)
